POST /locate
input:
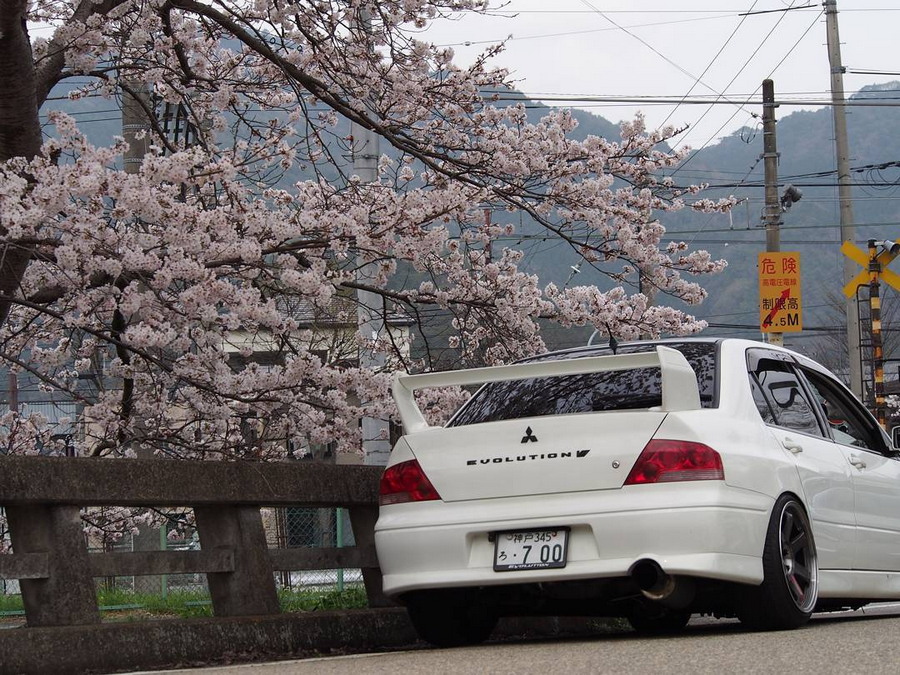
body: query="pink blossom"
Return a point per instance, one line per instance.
(217, 282)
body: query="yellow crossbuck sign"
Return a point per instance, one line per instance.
(860, 257)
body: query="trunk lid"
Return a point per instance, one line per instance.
(534, 456)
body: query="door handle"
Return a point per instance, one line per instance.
(857, 462)
(791, 445)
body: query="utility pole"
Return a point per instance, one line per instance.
(844, 192)
(370, 306)
(13, 383)
(135, 126)
(772, 210)
(136, 132)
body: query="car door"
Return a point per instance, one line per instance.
(875, 469)
(785, 405)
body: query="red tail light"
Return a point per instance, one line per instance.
(406, 482)
(664, 461)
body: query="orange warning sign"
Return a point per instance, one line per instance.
(780, 308)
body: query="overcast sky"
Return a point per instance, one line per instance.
(661, 48)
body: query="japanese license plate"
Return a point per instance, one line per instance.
(530, 549)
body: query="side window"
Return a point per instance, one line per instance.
(779, 396)
(762, 403)
(849, 423)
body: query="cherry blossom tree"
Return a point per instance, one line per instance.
(176, 280)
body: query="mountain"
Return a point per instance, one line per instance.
(811, 226)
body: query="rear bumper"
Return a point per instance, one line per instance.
(702, 529)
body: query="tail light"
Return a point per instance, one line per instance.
(406, 482)
(664, 461)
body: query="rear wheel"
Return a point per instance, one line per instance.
(451, 617)
(789, 591)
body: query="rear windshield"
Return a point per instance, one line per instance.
(591, 392)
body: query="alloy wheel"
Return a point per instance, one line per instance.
(798, 557)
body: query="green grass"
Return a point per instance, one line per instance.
(10, 603)
(352, 597)
(187, 604)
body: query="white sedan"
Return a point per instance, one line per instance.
(718, 476)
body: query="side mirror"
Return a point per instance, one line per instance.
(895, 438)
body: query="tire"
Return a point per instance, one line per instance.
(450, 617)
(659, 622)
(789, 590)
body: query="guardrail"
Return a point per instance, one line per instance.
(43, 498)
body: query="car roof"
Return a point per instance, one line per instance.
(590, 350)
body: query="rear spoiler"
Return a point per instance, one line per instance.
(680, 390)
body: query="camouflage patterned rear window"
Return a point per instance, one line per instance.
(592, 392)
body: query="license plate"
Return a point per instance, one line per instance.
(530, 549)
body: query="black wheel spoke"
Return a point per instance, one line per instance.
(799, 542)
(787, 526)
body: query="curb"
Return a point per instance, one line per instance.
(167, 644)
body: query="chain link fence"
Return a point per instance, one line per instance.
(162, 584)
(298, 527)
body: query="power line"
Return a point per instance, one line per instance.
(731, 81)
(819, 226)
(755, 184)
(863, 71)
(868, 102)
(778, 65)
(729, 12)
(709, 65)
(665, 58)
(541, 36)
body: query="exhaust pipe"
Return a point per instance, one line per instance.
(652, 580)
(660, 587)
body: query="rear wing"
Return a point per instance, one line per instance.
(680, 390)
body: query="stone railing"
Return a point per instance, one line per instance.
(43, 498)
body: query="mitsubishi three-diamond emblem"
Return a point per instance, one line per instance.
(529, 437)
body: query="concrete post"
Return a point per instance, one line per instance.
(66, 596)
(362, 520)
(250, 589)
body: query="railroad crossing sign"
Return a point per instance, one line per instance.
(780, 306)
(861, 258)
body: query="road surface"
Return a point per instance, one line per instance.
(866, 641)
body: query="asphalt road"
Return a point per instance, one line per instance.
(866, 641)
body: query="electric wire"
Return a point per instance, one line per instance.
(665, 58)
(730, 82)
(778, 65)
(708, 66)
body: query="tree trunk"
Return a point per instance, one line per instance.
(20, 129)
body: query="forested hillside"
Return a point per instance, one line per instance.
(811, 226)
